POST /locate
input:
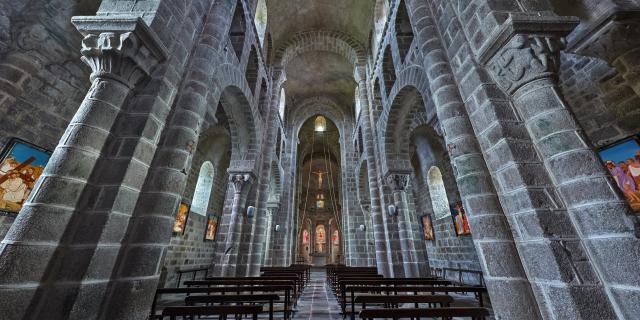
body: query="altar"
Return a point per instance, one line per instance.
(319, 259)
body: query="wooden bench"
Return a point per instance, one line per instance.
(385, 282)
(221, 311)
(195, 271)
(251, 282)
(396, 290)
(298, 282)
(281, 290)
(238, 298)
(443, 313)
(390, 302)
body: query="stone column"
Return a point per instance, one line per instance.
(71, 198)
(510, 292)
(379, 237)
(267, 234)
(268, 149)
(399, 182)
(525, 65)
(240, 181)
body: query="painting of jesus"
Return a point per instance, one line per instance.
(21, 164)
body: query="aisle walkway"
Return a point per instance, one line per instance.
(317, 301)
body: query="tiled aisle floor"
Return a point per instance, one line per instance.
(317, 300)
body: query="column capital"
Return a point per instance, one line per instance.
(123, 48)
(398, 181)
(239, 180)
(525, 48)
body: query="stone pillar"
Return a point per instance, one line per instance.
(525, 65)
(268, 149)
(399, 182)
(267, 234)
(379, 237)
(72, 198)
(510, 292)
(240, 183)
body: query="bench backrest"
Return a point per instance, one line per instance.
(174, 312)
(474, 313)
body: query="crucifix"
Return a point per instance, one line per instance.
(319, 174)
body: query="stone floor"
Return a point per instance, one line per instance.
(317, 300)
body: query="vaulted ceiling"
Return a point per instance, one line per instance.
(320, 73)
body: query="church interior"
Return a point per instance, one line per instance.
(320, 159)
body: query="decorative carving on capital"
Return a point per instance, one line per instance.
(526, 47)
(121, 48)
(398, 181)
(240, 180)
(524, 59)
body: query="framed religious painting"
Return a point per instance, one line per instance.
(212, 228)
(622, 159)
(460, 220)
(21, 164)
(427, 227)
(180, 224)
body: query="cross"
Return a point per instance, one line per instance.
(319, 173)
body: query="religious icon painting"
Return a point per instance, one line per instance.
(460, 220)
(212, 228)
(181, 219)
(21, 164)
(427, 227)
(622, 159)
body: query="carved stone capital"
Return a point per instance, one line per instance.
(524, 59)
(240, 180)
(398, 181)
(121, 48)
(525, 48)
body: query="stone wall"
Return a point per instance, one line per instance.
(42, 80)
(188, 250)
(607, 108)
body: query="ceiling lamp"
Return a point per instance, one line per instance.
(321, 124)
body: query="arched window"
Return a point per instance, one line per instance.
(282, 104)
(201, 195)
(358, 106)
(439, 199)
(261, 20)
(320, 124)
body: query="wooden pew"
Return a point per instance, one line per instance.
(282, 290)
(390, 302)
(385, 282)
(238, 298)
(443, 313)
(221, 311)
(194, 271)
(395, 290)
(249, 282)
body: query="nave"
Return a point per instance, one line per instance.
(437, 145)
(331, 292)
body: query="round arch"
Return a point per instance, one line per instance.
(329, 41)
